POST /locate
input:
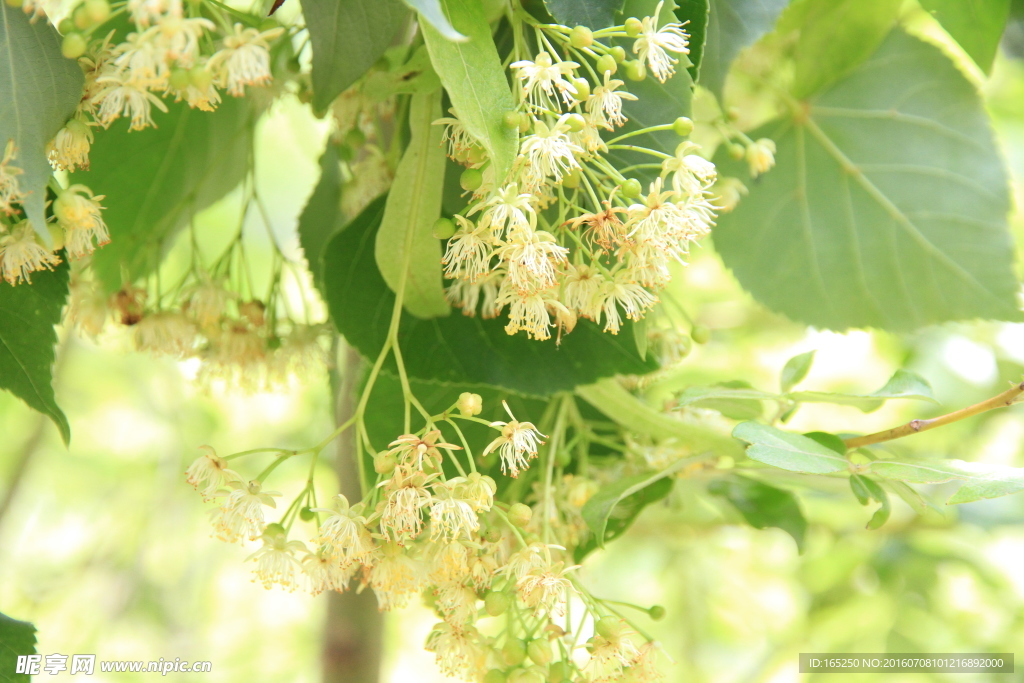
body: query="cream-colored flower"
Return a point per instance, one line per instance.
(240, 516)
(10, 191)
(458, 649)
(542, 79)
(276, 561)
(343, 536)
(78, 212)
(117, 98)
(654, 44)
(21, 254)
(605, 104)
(692, 174)
(244, 59)
(407, 496)
(69, 149)
(548, 154)
(518, 442)
(411, 450)
(469, 252)
(532, 259)
(395, 577)
(209, 473)
(324, 574)
(546, 589)
(165, 332)
(451, 517)
(761, 156)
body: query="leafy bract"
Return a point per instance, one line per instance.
(28, 313)
(459, 349)
(472, 74)
(593, 14)
(796, 370)
(321, 217)
(628, 411)
(347, 37)
(432, 13)
(763, 506)
(887, 207)
(404, 240)
(155, 180)
(732, 26)
(17, 639)
(980, 480)
(693, 15)
(788, 451)
(977, 25)
(39, 90)
(903, 384)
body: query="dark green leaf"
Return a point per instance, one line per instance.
(732, 26)
(980, 480)
(888, 204)
(17, 638)
(459, 349)
(795, 370)
(321, 217)
(348, 37)
(595, 14)
(788, 451)
(976, 24)
(472, 74)
(155, 180)
(40, 90)
(693, 14)
(763, 506)
(28, 313)
(835, 36)
(432, 13)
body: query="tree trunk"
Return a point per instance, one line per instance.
(352, 633)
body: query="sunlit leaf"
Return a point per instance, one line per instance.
(432, 13)
(903, 384)
(788, 451)
(796, 370)
(732, 26)
(980, 480)
(976, 24)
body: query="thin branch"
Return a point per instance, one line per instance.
(1007, 398)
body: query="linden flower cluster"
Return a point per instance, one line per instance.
(432, 526)
(567, 234)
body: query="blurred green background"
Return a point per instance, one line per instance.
(107, 550)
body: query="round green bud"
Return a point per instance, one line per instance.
(575, 122)
(563, 458)
(199, 77)
(631, 188)
(495, 676)
(514, 651)
(384, 462)
(737, 151)
(701, 334)
(477, 154)
(179, 79)
(65, 26)
(443, 228)
(511, 120)
(355, 137)
(526, 676)
(633, 27)
(73, 45)
(606, 63)
(520, 514)
(571, 180)
(98, 10)
(657, 612)
(539, 651)
(581, 37)
(581, 86)
(81, 18)
(635, 70)
(496, 603)
(618, 53)
(306, 514)
(608, 627)
(471, 179)
(492, 535)
(682, 126)
(558, 671)
(525, 122)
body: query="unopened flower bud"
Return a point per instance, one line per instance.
(495, 676)
(471, 179)
(575, 122)
(631, 188)
(682, 126)
(633, 27)
(606, 64)
(443, 228)
(700, 334)
(635, 70)
(384, 462)
(581, 86)
(511, 119)
(609, 627)
(737, 151)
(520, 514)
(618, 53)
(514, 651)
(496, 603)
(581, 37)
(73, 46)
(657, 612)
(98, 11)
(470, 404)
(539, 651)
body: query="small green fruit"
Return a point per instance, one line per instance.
(606, 64)
(657, 612)
(520, 514)
(539, 651)
(73, 45)
(633, 27)
(581, 37)
(635, 70)
(306, 514)
(631, 188)
(514, 651)
(443, 228)
(98, 11)
(618, 53)
(575, 122)
(682, 126)
(700, 334)
(471, 179)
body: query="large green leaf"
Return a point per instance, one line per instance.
(347, 37)
(459, 349)
(693, 15)
(39, 90)
(888, 204)
(155, 180)
(732, 26)
(976, 24)
(788, 451)
(28, 313)
(17, 638)
(404, 240)
(472, 74)
(593, 14)
(980, 480)
(835, 36)
(763, 506)
(321, 217)
(431, 12)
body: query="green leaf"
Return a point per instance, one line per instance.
(472, 74)
(321, 217)
(611, 511)
(413, 205)
(976, 24)
(829, 441)
(881, 515)
(736, 399)
(763, 506)
(459, 349)
(41, 90)
(888, 204)
(732, 26)
(17, 638)
(155, 180)
(594, 14)
(859, 489)
(788, 451)
(28, 313)
(980, 480)
(432, 13)
(835, 36)
(903, 384)
(693, 14)
(348, 37)
(626, 410)
(640, 337)
(796, 370)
